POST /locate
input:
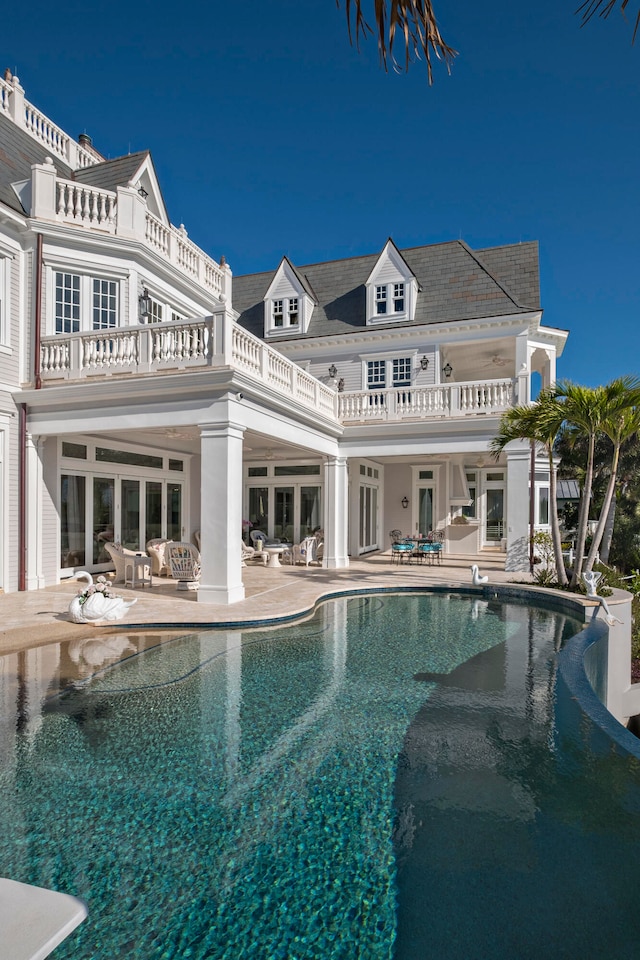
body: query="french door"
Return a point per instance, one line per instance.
(494, 516)
(368, 518)
(95, 510)
(425, 510)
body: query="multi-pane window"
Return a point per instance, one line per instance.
(105, 304)
(401, 371)
(376, 374)
(156, 311)
(398, 297)
(293, 311)
(67, 303)
(472, 485)
(84, 303)
(543, 505)
(381, 299)
(278, 313)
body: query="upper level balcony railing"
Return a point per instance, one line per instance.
(214, 341)
(217, 341)
(427, 403)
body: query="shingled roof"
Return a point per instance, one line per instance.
(112, 173)
(456, 283)
(18, 151)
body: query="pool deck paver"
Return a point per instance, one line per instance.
(41, 616)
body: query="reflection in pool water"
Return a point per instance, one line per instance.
(382, 780)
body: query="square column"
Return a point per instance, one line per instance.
(221, 513)
(518, 469)
(336, 513)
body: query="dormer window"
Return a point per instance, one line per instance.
(392, 289)
(288, 303)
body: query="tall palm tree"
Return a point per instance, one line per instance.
(621, 422)
(414, 22)
(584, 409)
(540, 422)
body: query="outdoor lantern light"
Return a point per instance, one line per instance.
(424, 362)
(448, 370)
(143, 193)
(340, 385)
(333, 371)
(405, 503)
(144, 304)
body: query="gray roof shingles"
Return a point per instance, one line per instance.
(18, 151)
(112, 173)
(456, 283)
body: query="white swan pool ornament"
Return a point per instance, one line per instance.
(476, 579)
(97, 607)
(591, 581)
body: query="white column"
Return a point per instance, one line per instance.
(517, 492)
(34, 577)
(221, 513)
(336, 513)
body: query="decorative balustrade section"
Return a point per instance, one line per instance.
(85, 205)
(158, 348)
(173, 243)
(422, 403)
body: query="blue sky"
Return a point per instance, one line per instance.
(272, 135)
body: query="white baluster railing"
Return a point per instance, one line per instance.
(89, 206)
(5, 90)
(420, 403)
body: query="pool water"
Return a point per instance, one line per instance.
(384, 780)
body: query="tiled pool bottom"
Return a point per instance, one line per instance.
(383, 780)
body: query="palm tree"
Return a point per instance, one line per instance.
(414, 22)
(539, 422)
(621, 422)
(583, 409)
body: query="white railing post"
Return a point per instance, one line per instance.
(16, 103)
(43, 190)
(454, 400)
(131, 214)
(75, 357)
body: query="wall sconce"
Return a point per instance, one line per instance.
(405, 503)
(143, 193)
(447, 370)
(144, 304)
(340, 385)
(333, 371)
(424, 362)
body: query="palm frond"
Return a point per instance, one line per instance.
(409, 22)
(603, 8)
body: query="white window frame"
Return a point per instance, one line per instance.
(389, 362)
(381, 300)
(86, 297)
(286, 314)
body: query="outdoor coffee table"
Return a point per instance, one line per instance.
(274, 550)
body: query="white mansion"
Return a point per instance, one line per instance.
(143, 394)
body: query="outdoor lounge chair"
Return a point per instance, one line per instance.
(157, 550)
(118, 554)
(184, 564)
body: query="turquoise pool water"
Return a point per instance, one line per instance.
(384, 780)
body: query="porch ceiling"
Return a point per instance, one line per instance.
(481, 360)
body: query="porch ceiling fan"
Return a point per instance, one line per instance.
(496, 360)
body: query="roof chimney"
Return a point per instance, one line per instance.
(85, 140)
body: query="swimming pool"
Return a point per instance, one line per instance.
(386, 779)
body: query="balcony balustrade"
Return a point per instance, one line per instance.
(217, 341)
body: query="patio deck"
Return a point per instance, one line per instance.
(40, 616)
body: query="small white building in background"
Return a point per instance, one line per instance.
(143, 394)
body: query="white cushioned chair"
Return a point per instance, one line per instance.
(118, 554)
(157, 549)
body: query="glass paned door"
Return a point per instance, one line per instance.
(494, 526)
(368, 518)
(103, 520)
(425, 511)
(259, 508)
(283, 525)
(153, 511)
(174, 511)
(310, 517)
(72, 520)
(130, 515)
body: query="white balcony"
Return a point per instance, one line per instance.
(217, 341)
(444, 401)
